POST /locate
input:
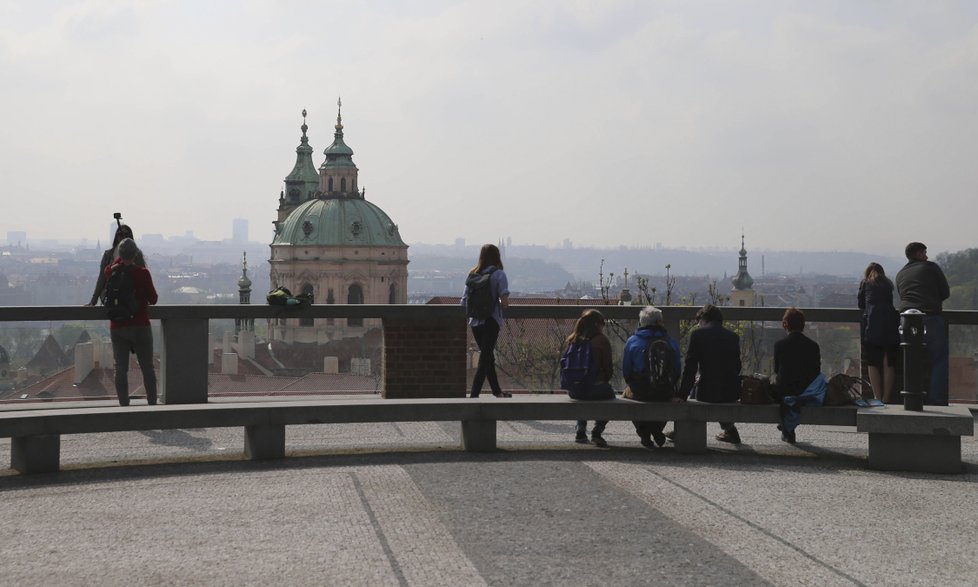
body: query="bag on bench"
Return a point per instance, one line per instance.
(755, 390)
(847, 389)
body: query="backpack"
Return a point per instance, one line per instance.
(656, 382)
(842, 390)
(578, 367)
(755, 390)
(479, 302)
(120, 294)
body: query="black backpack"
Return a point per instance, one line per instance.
(657, 382)
(120, 294)
(479, 302)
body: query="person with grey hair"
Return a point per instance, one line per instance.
(651, 367)
(132, 334)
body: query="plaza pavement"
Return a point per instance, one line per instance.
(401, 504)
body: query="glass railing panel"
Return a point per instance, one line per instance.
(295, 357)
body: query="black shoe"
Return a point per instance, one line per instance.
(732, 436)
(581, 437)
(659, 437)
(599, 441)
(670, 436)
(474, 395)
(502, 394)
(647, 443)
(788, 437)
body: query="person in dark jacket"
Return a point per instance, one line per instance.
(713, 354)
(797, 362)
(880, 334)
(109, 256)
(922, 286)
(635, 370)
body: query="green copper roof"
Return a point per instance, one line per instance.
(305, 169)
(339, 154)
(338, 222)
(742, 280)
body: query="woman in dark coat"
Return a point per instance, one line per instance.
(880, 335)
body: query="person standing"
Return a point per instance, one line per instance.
(643, 385)
(595, 385)
(110, 255)
(133, 335)
(797, 364)
(714, 354)
(922, 286)
(486, 325)
(880, 334)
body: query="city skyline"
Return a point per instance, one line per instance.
(835, 126)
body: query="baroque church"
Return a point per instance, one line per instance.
(331, 242)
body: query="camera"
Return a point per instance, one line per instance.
(117, 215)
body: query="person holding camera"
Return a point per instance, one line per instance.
(122, 232)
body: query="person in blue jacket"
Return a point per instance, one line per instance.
(635, 370)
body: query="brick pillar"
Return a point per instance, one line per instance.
(424, 358)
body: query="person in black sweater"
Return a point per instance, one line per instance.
(714, 354)
(797, 362)
(923, 286)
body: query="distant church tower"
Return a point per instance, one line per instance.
(244, 296)
(742, 293)
(331, 242)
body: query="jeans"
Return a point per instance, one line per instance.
(138, 340)
(486, 335)
(599, 391)
(935, 336)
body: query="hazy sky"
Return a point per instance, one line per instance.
(848, 125)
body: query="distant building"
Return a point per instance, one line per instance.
(239, 230)
(742, 293)
(331, 242)
(17, 238)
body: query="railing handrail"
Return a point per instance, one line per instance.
(434, 312)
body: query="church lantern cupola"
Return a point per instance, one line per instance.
(338, 174)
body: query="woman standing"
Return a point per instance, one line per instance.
(588, 331)
(109, 256)
(486, 294)
(880, 334)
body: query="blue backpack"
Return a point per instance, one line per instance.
(578, 367)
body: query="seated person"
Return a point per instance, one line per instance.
(797, 363)
(714, 353)
(593, 383)
(643, 384)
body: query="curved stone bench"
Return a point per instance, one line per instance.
(927, 441)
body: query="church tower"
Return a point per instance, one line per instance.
(742, 293)
(332, 243)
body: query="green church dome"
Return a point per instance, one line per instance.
(342, 221)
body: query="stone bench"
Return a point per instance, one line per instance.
(893, 433)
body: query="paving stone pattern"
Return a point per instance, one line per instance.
(400, 504)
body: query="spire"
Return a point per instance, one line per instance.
(303, 183)
(338, 173)
(244, 284)
(742, 280)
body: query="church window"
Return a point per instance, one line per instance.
(307, 289)
(343, 184)
(329, 186)
(354, 296)
(392, 295)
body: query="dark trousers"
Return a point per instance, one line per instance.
(599, 391)
(486, 335)
(138, 340)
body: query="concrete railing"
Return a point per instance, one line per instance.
(184, 349)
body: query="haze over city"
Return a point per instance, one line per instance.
(811, 126)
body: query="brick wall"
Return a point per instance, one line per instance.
(424, 358)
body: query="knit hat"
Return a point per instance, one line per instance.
(128, 249)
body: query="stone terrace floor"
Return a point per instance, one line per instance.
(401, 504)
